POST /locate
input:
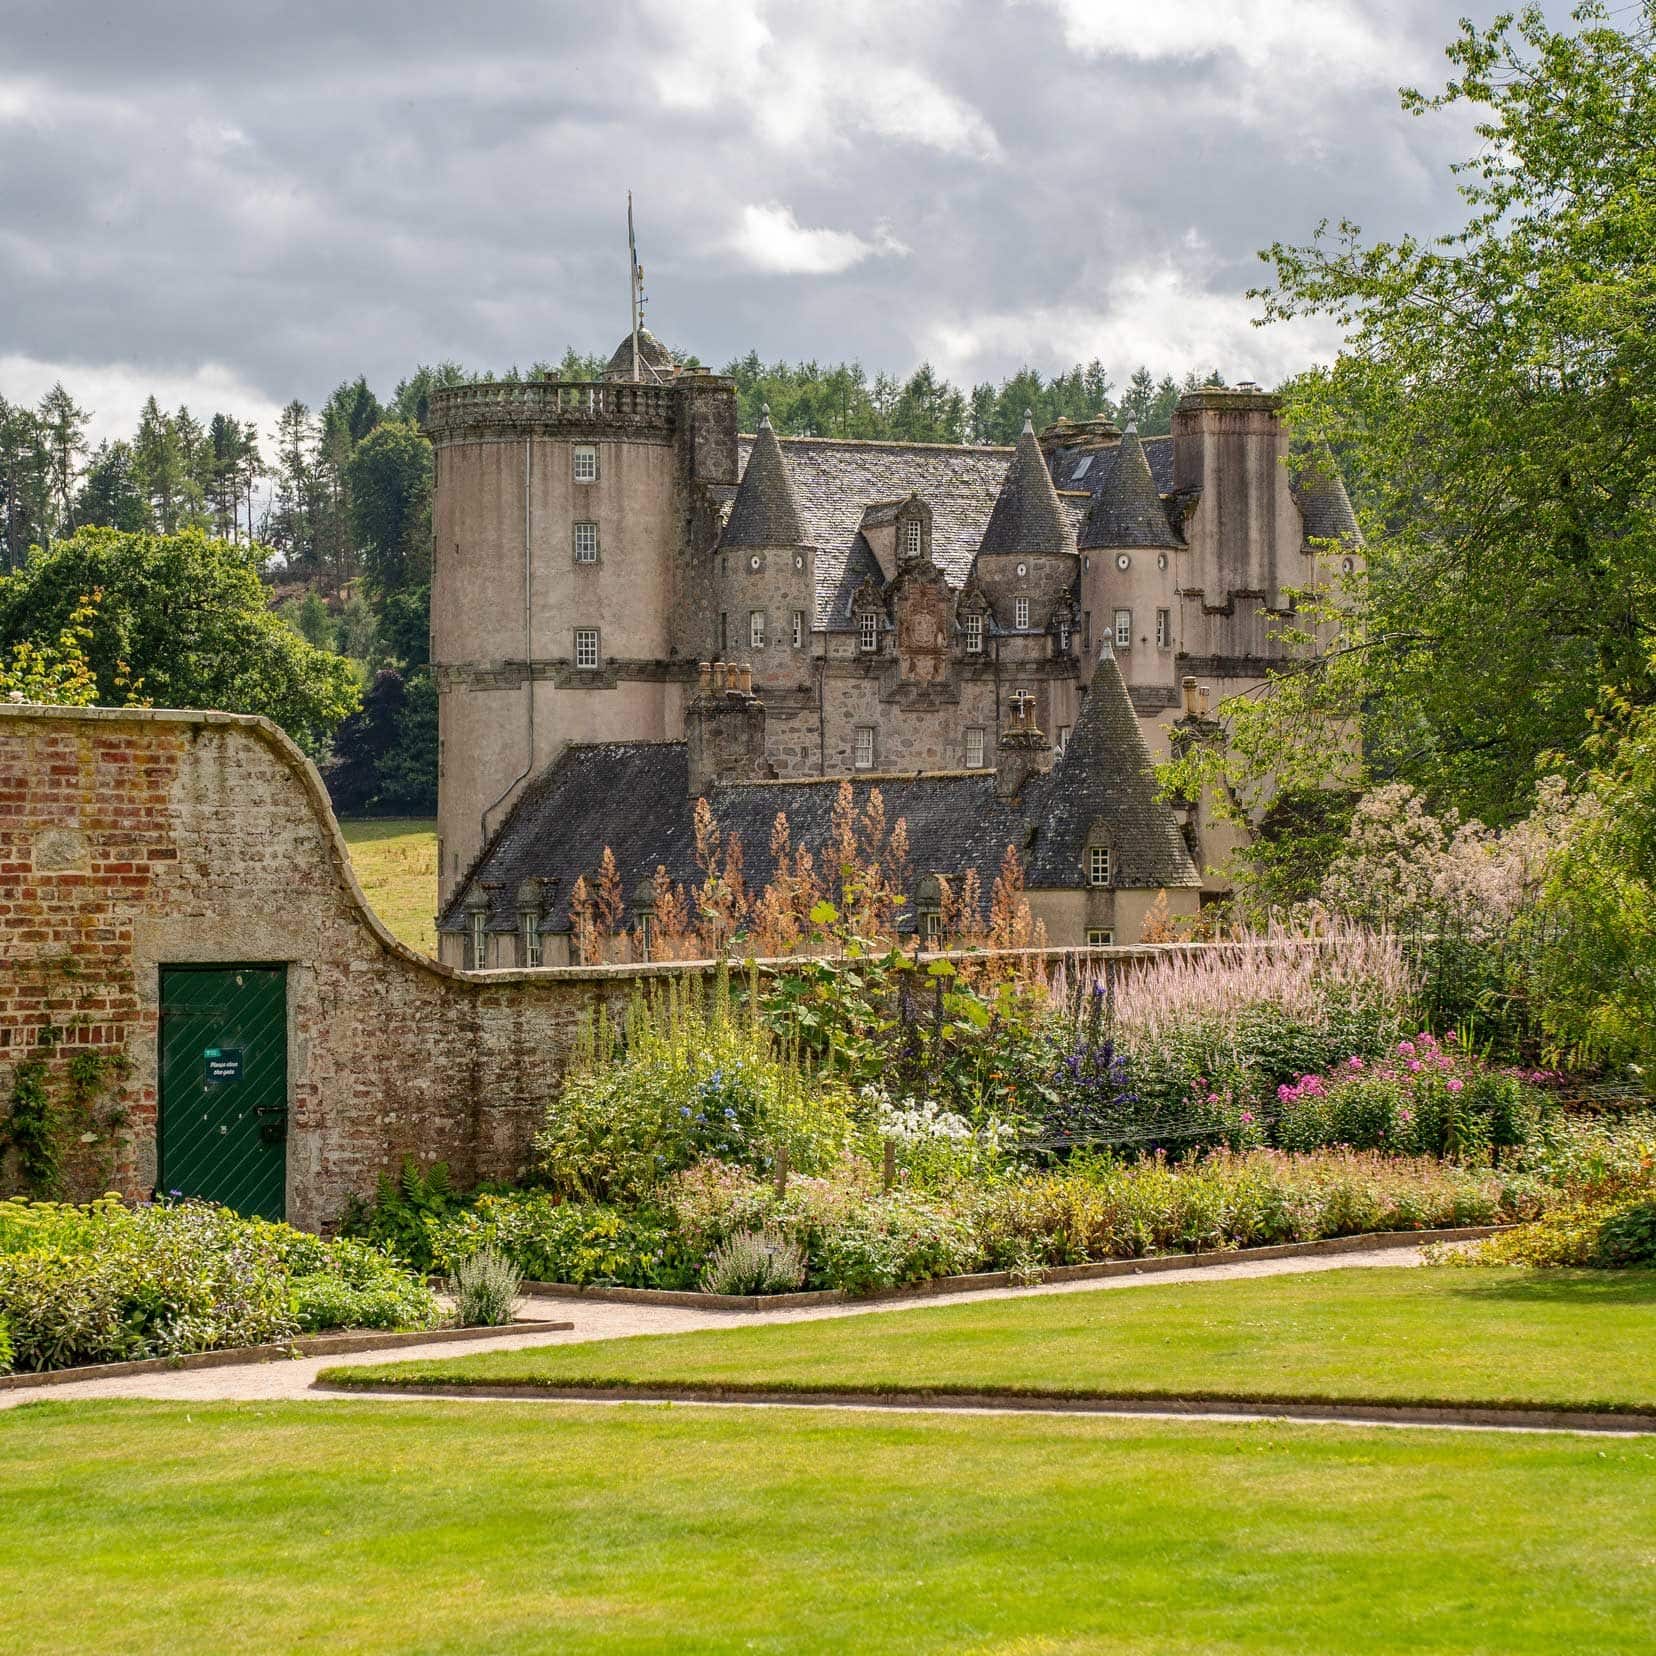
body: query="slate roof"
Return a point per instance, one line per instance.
(763, 513)
(651, 354)
(1106, 774)
(1126, 508)
(834, 479)
(1028, 516)
(633, 797)
(1320, 493)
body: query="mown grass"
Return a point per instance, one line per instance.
(1555, 1338)
(450, 1527)
(396, 862)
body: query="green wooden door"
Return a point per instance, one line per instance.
(223, 1128)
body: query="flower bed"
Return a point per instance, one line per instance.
(107, 1283)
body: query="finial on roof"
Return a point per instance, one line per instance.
(764, 414)
(1029, 421)
(1132, 429)
(1105, 653)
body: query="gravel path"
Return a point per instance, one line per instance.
(597, 1320)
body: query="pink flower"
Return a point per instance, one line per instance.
(1406, 1048)
(1414, 1064)
(1247, 1118)
(1355, 1063)
(1455, 1086)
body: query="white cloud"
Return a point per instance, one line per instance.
(1156, 314)
(771, 239)
(115, 392)
(831, 75)
(1330, 39)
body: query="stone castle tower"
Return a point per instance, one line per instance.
(569, 598)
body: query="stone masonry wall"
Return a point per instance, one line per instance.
(134, 839)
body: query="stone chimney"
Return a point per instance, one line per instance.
(724, 728)
(1024, 750)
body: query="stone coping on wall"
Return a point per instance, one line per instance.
(942, 1287)
(301, 1345)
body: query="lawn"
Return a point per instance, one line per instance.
(396, 861)
(441, 1527)
(1494, 1335)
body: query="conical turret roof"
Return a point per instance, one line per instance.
(1320, 493)
(764, 513)
(654, 359)
(1107, 777)
(1028, 516)
(1126, 508)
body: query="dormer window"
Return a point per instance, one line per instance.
(911, 538)
(868, 632)
(1098, 865)
(973, 625)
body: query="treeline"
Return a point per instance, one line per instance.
(333, 505)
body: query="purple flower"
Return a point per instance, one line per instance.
(1455, 1086)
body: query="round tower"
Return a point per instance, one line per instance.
(765, 572)
(566, 519)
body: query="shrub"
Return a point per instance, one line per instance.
(485, 1289)
(404, 1210)
(5, 1347)
(552, 1240)
(102, 1282)
(688, 1076)
(1604, 1233)
(754, 1262)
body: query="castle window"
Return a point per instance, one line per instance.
(586, 648)
(911, 538)
(868, 632)
(586, 543)
(1086, 630)
(1164, 629)
(1124, 629)
(756, 629)
(477, 943)
(1098, 865)
(974, 634)
(931, 925)
(1064, 636)
(1063, 739)
(529, 947)
(863, 752)
(974, 748)
(1100, 937)
(1020, 613)
(586, 463)
(799, 629)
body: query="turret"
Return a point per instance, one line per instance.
(766, 570)
(1130, 564)
(1025, 563)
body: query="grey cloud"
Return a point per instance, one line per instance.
(299, 193)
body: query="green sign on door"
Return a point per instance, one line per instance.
(223, 1127)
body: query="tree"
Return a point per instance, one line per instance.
(187, 617)
(158, 467)
(25, 490)
(361, 744)
(109, 496)
(63, 437)
(1492, 408)
(290, 524)
(390, 489)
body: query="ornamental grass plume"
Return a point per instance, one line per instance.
(1305, 973)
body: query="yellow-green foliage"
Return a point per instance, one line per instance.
(691, 1072)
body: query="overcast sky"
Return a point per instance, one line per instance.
(242, 201)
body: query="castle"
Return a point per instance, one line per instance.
(634, 606)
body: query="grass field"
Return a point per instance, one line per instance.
(1406, 1335)
(396, 861)
(449, 1527)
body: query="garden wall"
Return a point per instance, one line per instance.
(132, 839)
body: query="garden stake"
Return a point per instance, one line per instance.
(781, 1171)
(890, 1164)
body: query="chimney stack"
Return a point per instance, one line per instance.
(1024, 750)
(724, 728)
